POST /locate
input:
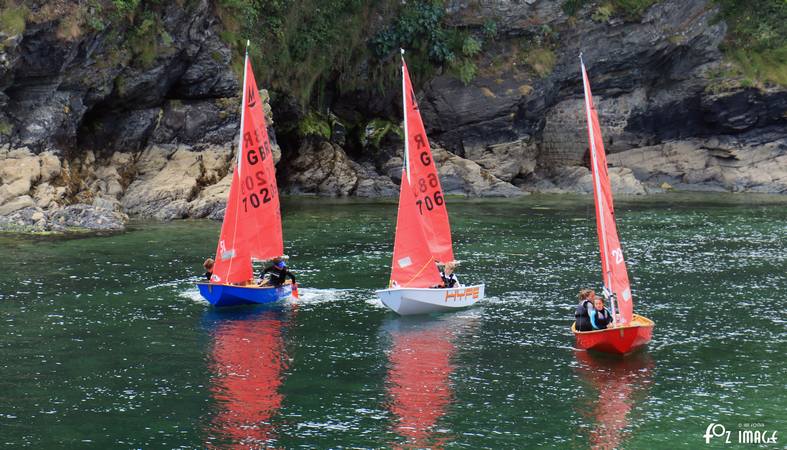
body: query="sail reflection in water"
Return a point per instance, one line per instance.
(246, 365)
(418, 381)
(615, 386)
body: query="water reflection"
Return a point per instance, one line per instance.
(615, 386)
(246, 361)
(420, 366)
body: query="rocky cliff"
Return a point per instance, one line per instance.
(107, 112)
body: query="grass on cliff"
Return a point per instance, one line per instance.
(631, 10)
(12, 18)
(756, 40)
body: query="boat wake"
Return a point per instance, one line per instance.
(193, 294)
(314, 296)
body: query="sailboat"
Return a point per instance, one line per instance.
(252, 219)
(423, 234)
(630, 331)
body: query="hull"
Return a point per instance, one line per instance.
(228, 295)
(619, 341)
(411, 301)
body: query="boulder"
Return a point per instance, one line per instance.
(321, 167)
(85, 217)
(462, 176)
(25, 201)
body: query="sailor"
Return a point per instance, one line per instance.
(448, 275)
(208, 265)
(582, 311)
(600, 317)
(277, 274)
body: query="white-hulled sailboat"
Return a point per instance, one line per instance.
(423, 234)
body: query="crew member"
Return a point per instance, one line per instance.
(600, 317)
(208, 265)
(448, 275)
(582, 311)
(277, 274)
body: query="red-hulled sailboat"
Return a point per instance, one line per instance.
(252, 219)
(630, 331)
(423, 234)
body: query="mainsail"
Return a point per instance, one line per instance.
(252, 219)
(422, 176)
(613, 266)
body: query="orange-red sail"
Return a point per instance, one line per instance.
(613, 265)
(422, 173)
(252, 219)
(413, 263)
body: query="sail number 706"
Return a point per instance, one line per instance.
(427, 201)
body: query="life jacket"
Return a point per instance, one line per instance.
(582, 317)
(603, 318)
(449, 280)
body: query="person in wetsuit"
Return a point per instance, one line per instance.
(208, 265)
(448, 276)
(582, 311)
(600, 317)
(277, 274)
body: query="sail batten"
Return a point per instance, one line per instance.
(613, 265)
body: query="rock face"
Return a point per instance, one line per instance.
(95, 127)
(665, 114)
(91, 130)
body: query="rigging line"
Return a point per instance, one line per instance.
(431, 261)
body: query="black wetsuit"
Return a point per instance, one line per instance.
(278, 276)
(208, 275)
(582, 316)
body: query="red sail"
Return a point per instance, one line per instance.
(613, 266)
(413, 265)
(423, 177)
(252, 219)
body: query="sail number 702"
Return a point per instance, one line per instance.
(254, 198)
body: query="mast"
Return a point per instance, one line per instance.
(406, 159)
(243, 107)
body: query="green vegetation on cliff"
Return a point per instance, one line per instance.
(756, 39)
(12, 18)
(603, 11)
(308, 47)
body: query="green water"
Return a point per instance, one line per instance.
(105, 343)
